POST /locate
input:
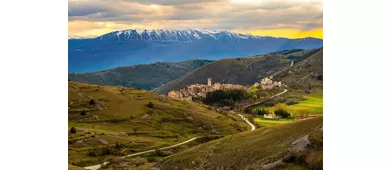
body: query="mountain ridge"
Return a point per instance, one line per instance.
(129, 47)
(144, 33)
(145, 76)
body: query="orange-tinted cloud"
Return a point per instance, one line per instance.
(281, 18)
(288, 33)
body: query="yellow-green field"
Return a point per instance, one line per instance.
(269, 122)
(313, 102)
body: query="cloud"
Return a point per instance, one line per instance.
(214, 14)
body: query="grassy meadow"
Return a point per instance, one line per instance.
(261, 122)
(117, 121)
(310, 104)
(313, 102)
(254, 149)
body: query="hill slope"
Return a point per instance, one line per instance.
(117, 121)
(145, 76)
(306, 74)
(282, 146)
(244, 71)
(129, 47)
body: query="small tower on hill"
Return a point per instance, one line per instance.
(209, 81)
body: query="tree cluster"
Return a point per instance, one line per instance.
(226, 97)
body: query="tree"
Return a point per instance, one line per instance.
(73, 130)
(150, 105)
(118, 146)
(92, 102)
(282, 113)
(262, 111)
(83, 113)
(135, 129)
(280, 106)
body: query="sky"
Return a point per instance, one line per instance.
(278, 18)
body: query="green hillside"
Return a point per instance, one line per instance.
(307, 73)
(278, 147)
(116, 121)
(144, 76)
(244, 71)
(304, 82)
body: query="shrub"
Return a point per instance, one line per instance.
(118, 146)
(92, 102)
(83, 113)
(139, 161)
(135, 129)
(262, 112)
(92, 153)
(320, 77)
(204, 139)
(158, 152)
(282, 113)
(73, 130)
(152, 159)
(150, 105)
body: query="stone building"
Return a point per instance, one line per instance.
(269, 116)
(267, 83)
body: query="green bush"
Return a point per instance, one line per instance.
(92, 153)
(262, 112)
(282, 113)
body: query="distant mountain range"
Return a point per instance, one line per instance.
(129, 47)
(145, 76)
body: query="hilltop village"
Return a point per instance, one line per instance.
(267, 83)
(201, 90)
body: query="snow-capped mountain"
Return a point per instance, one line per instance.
(128, 47)
(175, 35)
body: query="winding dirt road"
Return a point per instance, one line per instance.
(96, 167)
(247, 121)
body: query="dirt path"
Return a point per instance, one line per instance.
(247, 121)
(95, 167)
